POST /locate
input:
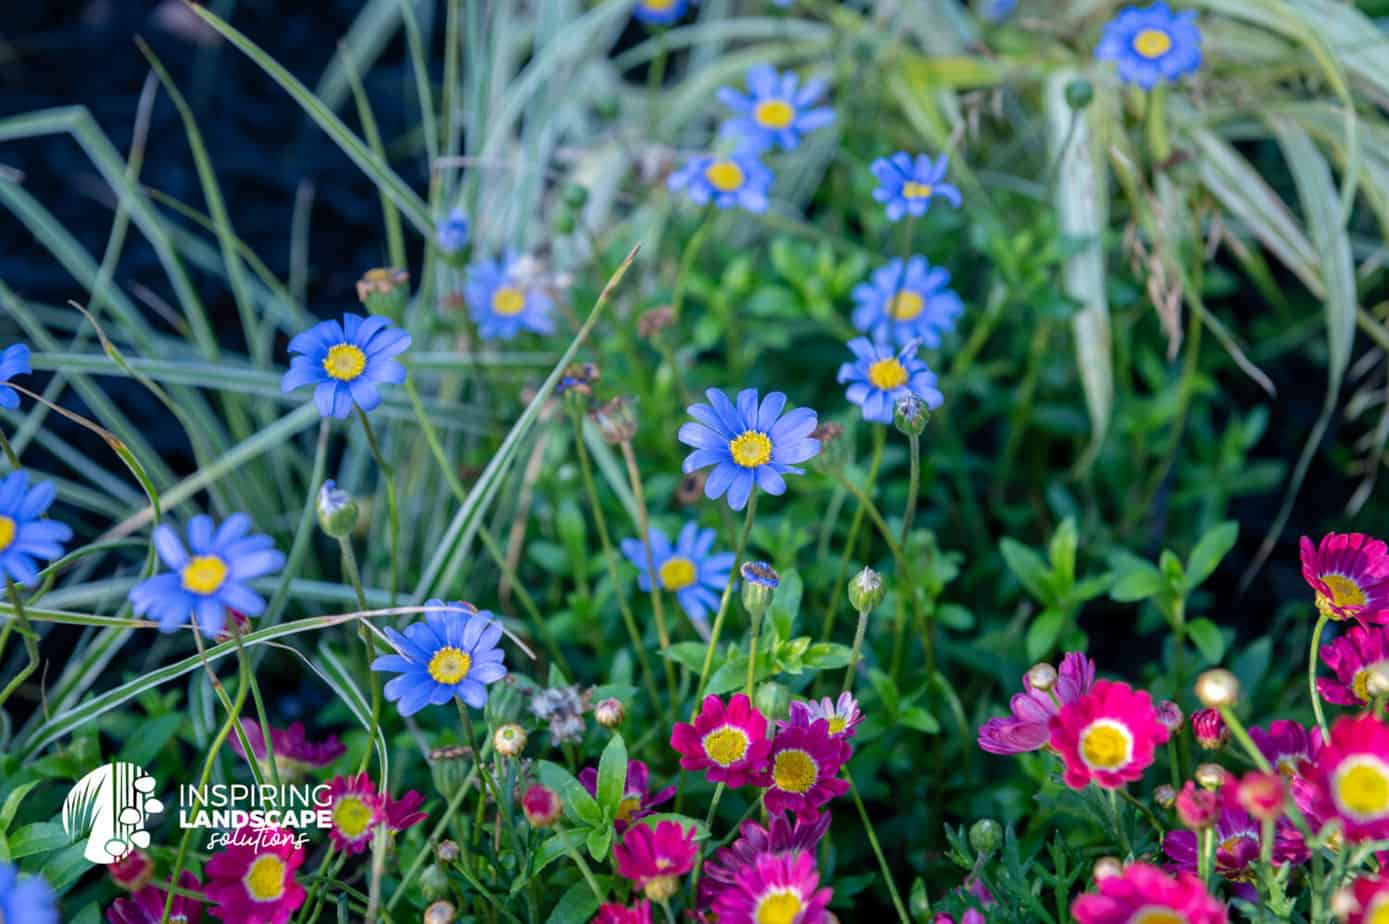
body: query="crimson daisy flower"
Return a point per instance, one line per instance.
(1351, 656)
(146, 906)
(1286, 746)
(775, 889)
(804, 769)
(785, 835)
(1350, 574)
(1144, 894)
(1107, 736)
(295, 754)
(654, 858)
(1026, 729)
(252, 880)
(729, 743)
(612, 913)
(1349, 779)
(356, 809)
(403, 813)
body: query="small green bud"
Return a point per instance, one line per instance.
(564, 222)
(1079, 94)
(760, 581)
(985, 835)
(866, 591)
(910, 415)
(772, 700)
(384, 291)
(575, 195)
(434, 882)
(606, 107)
(337, 511)
(449, 766)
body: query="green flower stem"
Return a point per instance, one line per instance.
(756, 619)
(482, 769)
(10, 455)
(857, 650)
(1237, 729)
(1204, 859)
(878, 852)
(31, 644)
(1322, 619)
(1158, 142)
(309, 910)
(913, 487)
(584, 869)
(739, 549)
(687, 258)
(1174, 762)
(392, 513)
(873, 514)
(841, 575)
(220, 691)
(644, 525)
(261, 715)
(1143, 810)
(440, 829)
(354, 577)
(1112, 799)
(708, 826)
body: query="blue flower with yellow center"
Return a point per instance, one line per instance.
(503, 303)
(24, 534)
(748, 444)
(25, 900)
(738, 180)
(346, 361)
(207, 577)
(1151, 44)
(879, 376)
(908, 185)
(777, 111)
(660, 12)
(688, 569)
(453, 653)
(906, 302)
(451, 234)
(14, 361)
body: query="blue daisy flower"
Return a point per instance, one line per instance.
(1151, 44)
(878, 377)
(346, 361)
(776, 112)
(452, 653)
(908, 185)
(748, 444)
(660, 12)
(688, 569)
(905, 305)
(999, 10)
(24, 535)
(503, 303)
(451, 234)
(209, 576)
(14, 361)
(25, 901)
(737, 180)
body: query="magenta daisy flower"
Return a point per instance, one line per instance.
(1350, 574)
(1026, 729)
(1144, 894)
(252, 881)
(295, 754)
(404, 812)
(775, 889)
(1371, 895)
(842, 714)
(730, 743)
(640, 913)
(654, 858)
(147, 905)
(637, 802)
(1108, 736)
(356, 810)
(787, 835)
(1349, 779)
(804, 773)
(1351, 656)
(1286, 746)
(1237, 839)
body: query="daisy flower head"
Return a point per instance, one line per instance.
(1349, 779)
(1352, 656)
(775, 890)
(908, 185)
(637, 799)
(295, 754)
(749, 444)
(1144, 894)
(905, 302)
(26, 899)
(842, 715)
(1026, 729)
(451, 233)
(804, 770)
(1107, 736)
(1237, 840)
(208, 576)
(356, 809)
(660, 12)
(1286, 746)
(13, 361)
(1350, 574)
(654, 858)
(252, 880)
(612, 913)
(776, 112)
(785, 835)
(505, 300)
(1371, 895)
(732, 181)
(345, 361)
(147, 905)
(690, 568)
(26, 537)
(880, 376)
(1151, 44)
(452, 653)
(728, 742)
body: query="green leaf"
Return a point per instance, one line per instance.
(1062, 552)
(579, 806)
(823, 656)
(576, 906)
(1207, 638)
(551, 849)
(599, 840)
(39, 837)
(1214, 545)
(919, 719)
(687, 654)
(612, 776)
(11, 804)
(1029, 568)
(1138, 582)
(1042, 634)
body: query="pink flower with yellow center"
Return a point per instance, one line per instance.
(356, 809)
(804, 769)
(1107, 736)
(775, 890)
(252, 880)
(1350, 574)
(1351, 657)
(1144, 894)
(1349, 779)
(1371, 901)
(729, 743)
(842, 714)
(1026, 729)
(654, 858)
(1286, 746)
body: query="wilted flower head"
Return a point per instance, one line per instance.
(653, 321)
(564, 708)
(384, 290)
(616, 420)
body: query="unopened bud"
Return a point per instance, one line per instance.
(133, 871)
(1165, 796)
(1079, 94)
(1170, 715)
(866, 590)
(1210, 776)
(652, 322)
(616, 420)
(541, 806)
(449, 767)
(1209, 729)
(1217, 688)
(509, 740)
(1377, 679)
(772, 699)
(337, 511)
(910, 414)
(447, 851)
(384, 291)
(1197, 809)
(1107, 868)
(1042, 677)
(985, 835)
(441, 912)
(1261, 794)
(610, 713)
(434, 881)
(760, 581)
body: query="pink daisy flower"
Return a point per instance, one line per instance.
(640, 913)
(1286, 746)
(1026, 729)
(775, 890)
(295, 754)
(843, 714)
(804, 770)
(1144, 894)
(402, 813)
(730, 743)
(654, 858)
(1108, 736)
(1350, 657)
(356, 810)
(784, 837)
(147, 905)
(1350, 574)
(636, 802)
(971, 916)
(1349, 779)
(1237, 838)
(252, 880)
(1371, 900)
(133, 871)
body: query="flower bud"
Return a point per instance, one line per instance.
(661, 888)
(653, 321)
(449, 767)
(772, 699)
(760, 581)
(866, 590)
(834, 449)
(1079, 94)
(441, 912)
(910, 415)
(451, 234)
(616, 420)
(133, 871)
(985, 835)
(337, 511)
(1170, 715)
(1209, 728)
(434, 882)
(1210, 776)
(1197, 809)
(610, 713)
(541, 806)
(1041, 677)
(1377, 679)
(565, 221)
(1165, 796)
(509, 740)
(575, 195)
(1217, 688)
(384, 291)
(1261, 794)
(1107, 868)
(447, 851)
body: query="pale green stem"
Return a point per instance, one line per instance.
(878, 852)
(723, 602)
(857, 650)
(1312, 674)
(644, 525)
(391, 512)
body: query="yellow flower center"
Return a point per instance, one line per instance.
(628, 807)
(1152, 914)
(1152, 43)
(344, 362)
(779, 908)
(774, 113)
(508, 300)
(1106, 745)
(204, 574)
(726, 746)
(351, 816)
(794, 771)
(661, 888)
(751, 449)
(887, 374)
(1361, 787)
(7, 531)
(1360, 682)
(1379, 911)
(659, 6)
(677, 573)
(914, 190)
(837, 724)
(1344, 591)
(449, 665)
(724, 175)
(1287, 766)
(905, 305)
(265, 879)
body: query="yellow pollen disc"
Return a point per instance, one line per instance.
(1360, 682)
(1287, 766)
(1361, 787)
(661, 888)
(779, 908)
(508, 301)
(265, 879)
(204, 574)
(1344, 591)
(344, 362)
(1152, 43)
(794, 771)
(677, 573)
(1379, 911)
(1152, 914)
(1106, 745)
(774, 113)
(627, 807)
(724, 175)
(1230, 843)
(751, 449)
(887, 374)
(726, 746)
(449, 665)
(659, 6)
(838, 724)
(351, 816)
(7, 531)
(906, 305)
(914, 190)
